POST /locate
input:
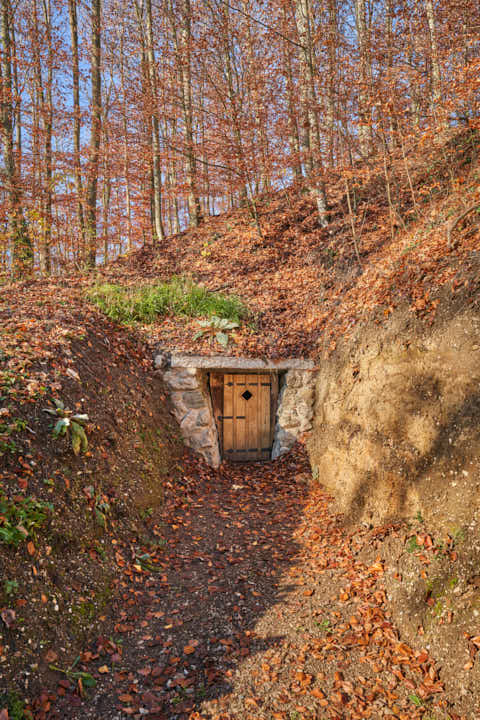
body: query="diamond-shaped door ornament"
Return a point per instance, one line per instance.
(247, 395)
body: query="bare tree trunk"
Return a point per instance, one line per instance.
(194, 211)
(95, 136)
(389, 77)
(157, 168)
(293, 134)
(22, 249)
(263, 181)
(18, 105)
(332, 76)
(414, 84)
(363, 94)
(436, 79)
(176, 216)
(301, 10)
(246, 189)
(126, 159)
(107, 182)
(45, 111)
(72, 11)
(48, 127)
(315, 161)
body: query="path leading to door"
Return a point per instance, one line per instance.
(261, 609)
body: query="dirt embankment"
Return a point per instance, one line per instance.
(68, 522)
(397, 437)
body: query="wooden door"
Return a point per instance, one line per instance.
(244, 408)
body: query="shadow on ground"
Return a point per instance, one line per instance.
(228, 541)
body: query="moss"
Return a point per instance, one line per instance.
(86, 613)
(15, 706)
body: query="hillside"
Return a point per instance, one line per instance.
(102, 552)
(67, 523)
(306, 286)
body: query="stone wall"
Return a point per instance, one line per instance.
(295, 409)
(193, 410)
(192, 404)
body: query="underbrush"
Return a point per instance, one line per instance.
(179, 296)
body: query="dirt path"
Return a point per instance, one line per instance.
(261, 609)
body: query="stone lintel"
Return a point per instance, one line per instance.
(220, 362)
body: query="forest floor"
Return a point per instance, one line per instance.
(261, 606)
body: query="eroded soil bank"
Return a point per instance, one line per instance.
(397, 438)
(261, 606)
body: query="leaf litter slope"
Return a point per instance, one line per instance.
(304, 284)
(260, 608)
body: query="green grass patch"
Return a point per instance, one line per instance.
(179, 296)
(19, 519)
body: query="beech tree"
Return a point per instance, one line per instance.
(95, 132)
(18, 235)
(144, 118)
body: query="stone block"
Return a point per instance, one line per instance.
(203, 418)
(201, 438)
(179, 407)
(211, 456)
(294, 379)
(181, 379)
(194, 399)
(161, 361)
(189, 423)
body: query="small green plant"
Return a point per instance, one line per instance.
(19, 519)
(7, 444)
(145, 562)
(416, 700)
(83, 679)
(201, 693)
(10, 587)
(14, 705)
(419, 518)
(102, 508)
(217, 328)
(324, 625)
(412, 545)
(458, 536)
(100, 551)
(206, 250)
(69, 424)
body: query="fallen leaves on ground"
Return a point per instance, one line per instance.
(260, 609)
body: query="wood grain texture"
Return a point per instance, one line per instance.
(244, 407)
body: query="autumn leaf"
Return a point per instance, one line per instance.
(125, 698)
(8, 616)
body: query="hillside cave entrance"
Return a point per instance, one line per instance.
(239, 409)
